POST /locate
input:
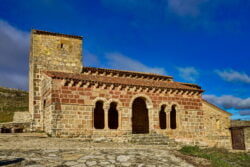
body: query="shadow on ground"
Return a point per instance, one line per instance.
(10, 162)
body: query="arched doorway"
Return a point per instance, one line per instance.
(140, 122)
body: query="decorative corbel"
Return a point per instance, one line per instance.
(145, 90)
(79, 84)
(152, 90)
(170, 91)
(95, 86)
(180, 92)
(86, 85)
(103, 86)
(111, 87)
(158, 90)
(71, 83)
(163, 91)
(139, 89)
(126, 88)
(63, 83)
(119, 87)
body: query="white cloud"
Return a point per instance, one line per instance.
(119, 61)
(186, 7)
(233, 76)
(14, 56)
(90, 59)
(14, 45)
(244, 112)
(228, 101)
(188, 73)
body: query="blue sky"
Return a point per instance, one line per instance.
(197, 41)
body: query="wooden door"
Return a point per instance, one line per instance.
(140, 122)
(238, 141)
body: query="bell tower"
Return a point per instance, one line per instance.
(53, 52)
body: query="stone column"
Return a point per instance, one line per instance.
(106, 127)
(168, 119)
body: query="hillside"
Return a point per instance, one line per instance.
(12, 100)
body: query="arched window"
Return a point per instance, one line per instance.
(173, 117)
(162, 117)
(113, 116)
(99, 115)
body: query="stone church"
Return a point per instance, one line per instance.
(68, 99)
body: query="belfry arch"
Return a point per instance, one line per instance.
(140, 117)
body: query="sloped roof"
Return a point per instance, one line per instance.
(123, 72)
(212, 105)
(121, 80)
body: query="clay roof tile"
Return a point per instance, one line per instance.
(122, 80)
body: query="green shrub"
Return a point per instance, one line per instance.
(6, 117)
(190, 149)
(218, 157)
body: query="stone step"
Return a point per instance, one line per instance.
(151, 139)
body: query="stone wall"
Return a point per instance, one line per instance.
(46, 104)
(247, 137)
(50, 51)
(21, 123)
(13, 127)
(72, 108)
(21, 117)
(217, 124)
(239, 123)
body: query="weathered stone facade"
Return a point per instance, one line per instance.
(68, 100)
(50, 52)
(217, 123)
